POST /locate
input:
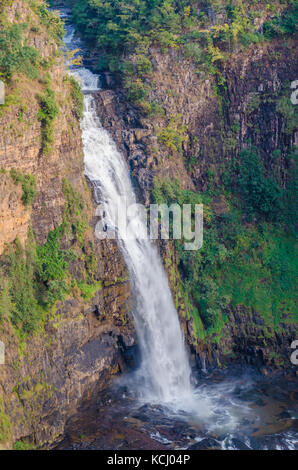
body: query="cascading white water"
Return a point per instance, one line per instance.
(165, 370)
(164, 374)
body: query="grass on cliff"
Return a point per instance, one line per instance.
(47, 114)
(15, 56)
(28, 183)
(5, 424)
(77, 96)
(33, 278)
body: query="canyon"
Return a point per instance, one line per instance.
(87, 339)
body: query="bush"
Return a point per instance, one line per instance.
(260, 195)
(173, 135)
(77, 97)
(136, 90)
(283, 25)
(25, 313)
(193, 51)
(28, 186)
(211, 303)
(33, 279)
(14, 56)
(288, 111)
(21, 445)
(51, 20)
(51, 260)
(5, 424)
(47, 114)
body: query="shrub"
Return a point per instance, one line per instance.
(28, 185)
(173, 135)
(5, 424)
(73, 201)
(136, 90)
(21, 445)
(260, 194)
(14, 56)
(211, 303)
(288, 111)
(25, 312)
(283, 25)
(193, 51)
(77, 97)
(51, 260)
(51, 20)
(143, 65)
(47, 114)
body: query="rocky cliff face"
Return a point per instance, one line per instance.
(81, 341)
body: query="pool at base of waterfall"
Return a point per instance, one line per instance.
(249, 411)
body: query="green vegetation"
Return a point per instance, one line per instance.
(283, 25)
(21, 445)
(253, 266)
(88, 290)
(289, 112)
(15, 56)
(77, 97)
(124, 32)
(173, 135)
(19, 266)
(48, 112)
(28, 185)
(33, 278)
(54, 24)
(51, 268)
(23, 293)
(5, 425)
(260, 194)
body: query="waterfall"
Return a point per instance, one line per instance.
(165, 372)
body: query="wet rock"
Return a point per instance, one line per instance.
(205, 444)
(237, 444)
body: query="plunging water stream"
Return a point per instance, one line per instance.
(164, 374)
(164, 377)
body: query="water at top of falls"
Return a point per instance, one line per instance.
(164, 374)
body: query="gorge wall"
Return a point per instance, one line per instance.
(75, 343)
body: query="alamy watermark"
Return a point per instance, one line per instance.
(2, 353)
(2, 92)
(160, 221)
(294, 95)
(294, 355)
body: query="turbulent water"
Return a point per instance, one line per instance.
(164, 376)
